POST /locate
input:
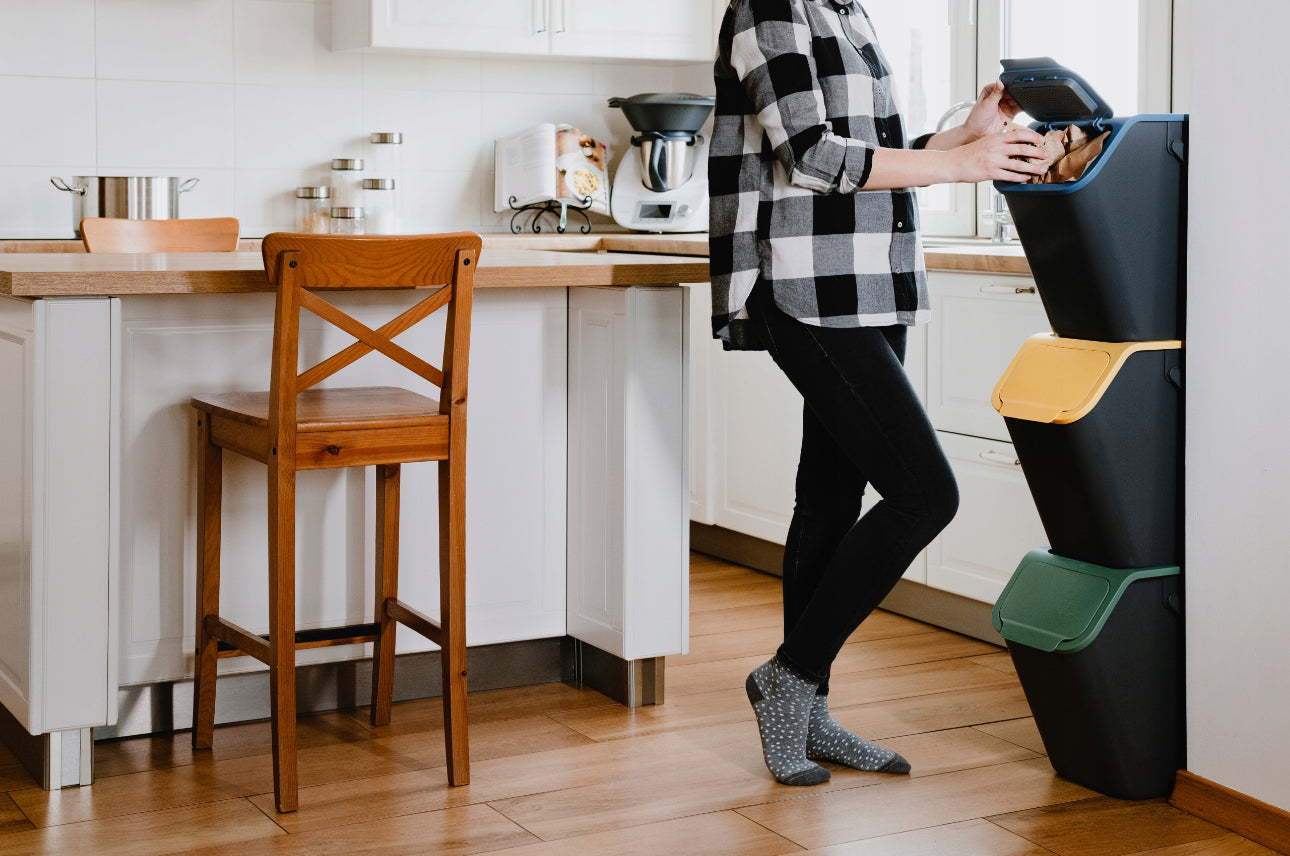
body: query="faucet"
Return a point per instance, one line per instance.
(951, 113)
(998, 215)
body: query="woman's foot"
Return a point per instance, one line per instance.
(828, 741)
(782, 702)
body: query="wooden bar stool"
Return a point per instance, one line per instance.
(119, 235)
(294, 427)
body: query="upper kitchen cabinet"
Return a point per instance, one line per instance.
(674, 30)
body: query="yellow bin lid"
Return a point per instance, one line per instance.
(1058, 380)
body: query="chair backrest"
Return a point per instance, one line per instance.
(299, 264)
(119, 235)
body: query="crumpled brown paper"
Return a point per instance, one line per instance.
(1067, 153)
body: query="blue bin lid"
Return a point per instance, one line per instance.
(1051, 93)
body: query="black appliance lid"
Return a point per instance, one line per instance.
(1051, 93)
(679, 112)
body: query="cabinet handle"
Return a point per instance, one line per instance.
(999, 459)
(564, 17)
(1007, 289)
(541, 12)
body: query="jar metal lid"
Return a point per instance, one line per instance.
(378, 184)
(313, 192)
(387, 137)
(348, 213)
(347, 163)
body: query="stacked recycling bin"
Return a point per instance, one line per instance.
(1094, 624)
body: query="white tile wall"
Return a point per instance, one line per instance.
(246, 96)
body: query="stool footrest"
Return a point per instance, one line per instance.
(351, 634)
(418, 621)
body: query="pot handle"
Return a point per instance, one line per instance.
(62, 185)
(188, 185)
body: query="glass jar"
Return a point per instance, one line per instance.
(385, 149)
(381, 205)
(313, 210)
(349, 220)
(347, 182)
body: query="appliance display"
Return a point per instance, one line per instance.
(662, 186)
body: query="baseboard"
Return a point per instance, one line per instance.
(1262, 823)
(910, 599)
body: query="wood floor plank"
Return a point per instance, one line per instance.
(914, 803)
(1224, 845)
(451, 832)
(327, 805)
(12, 819)
(150, 833)
(1000, 660)
(122, 757)
(734, 619)
(724, 833)
(1023, 732)
(14, 777)
(747, 594)
(705, 672)
(935, 712)
(692, 786)
(1107, 827)
(969, 838)
(929, 754)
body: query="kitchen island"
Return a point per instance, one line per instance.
(577, 515)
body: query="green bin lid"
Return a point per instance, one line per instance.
(1057, 604)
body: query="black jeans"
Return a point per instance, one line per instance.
(862, 424)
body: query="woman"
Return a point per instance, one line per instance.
(815, 257)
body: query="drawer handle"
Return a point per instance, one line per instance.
(1007, 289)
(999, 459)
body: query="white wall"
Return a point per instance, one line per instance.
(1238, 402)
(246, 96)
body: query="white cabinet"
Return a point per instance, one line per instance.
(675, 30)
(996, 523)
(628, 540)
(978, 323)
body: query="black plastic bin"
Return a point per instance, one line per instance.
(1098, 652)
(1107, 251)
(1096, 427)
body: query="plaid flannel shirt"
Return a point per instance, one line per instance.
(804, 96)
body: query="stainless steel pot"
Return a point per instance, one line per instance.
(135, 197)
(667, 159)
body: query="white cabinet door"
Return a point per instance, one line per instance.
(978, 323)
(996, 525)
(499, 26)
(679, 30)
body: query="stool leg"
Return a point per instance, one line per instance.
(452, 608)
(282, 631)
(387, 589)
(209, 493)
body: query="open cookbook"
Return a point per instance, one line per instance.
(550, 163)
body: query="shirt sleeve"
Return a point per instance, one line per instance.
(771, 55)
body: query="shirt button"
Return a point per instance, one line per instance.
(900, 225)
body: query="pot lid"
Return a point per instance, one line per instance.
(685, 98)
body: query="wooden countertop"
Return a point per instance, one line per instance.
(62, 268)
(118, 274)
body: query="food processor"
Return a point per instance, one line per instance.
(664, 186)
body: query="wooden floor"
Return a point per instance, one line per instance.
(560, 771)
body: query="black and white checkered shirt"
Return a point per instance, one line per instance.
(804, 96)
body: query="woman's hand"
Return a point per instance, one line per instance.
(994, 108)
(999, 157)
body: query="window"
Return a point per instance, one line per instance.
(944, 51)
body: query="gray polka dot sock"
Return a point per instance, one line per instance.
(782, 702)
(829, 741)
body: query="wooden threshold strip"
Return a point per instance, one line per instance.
(1244, 815)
